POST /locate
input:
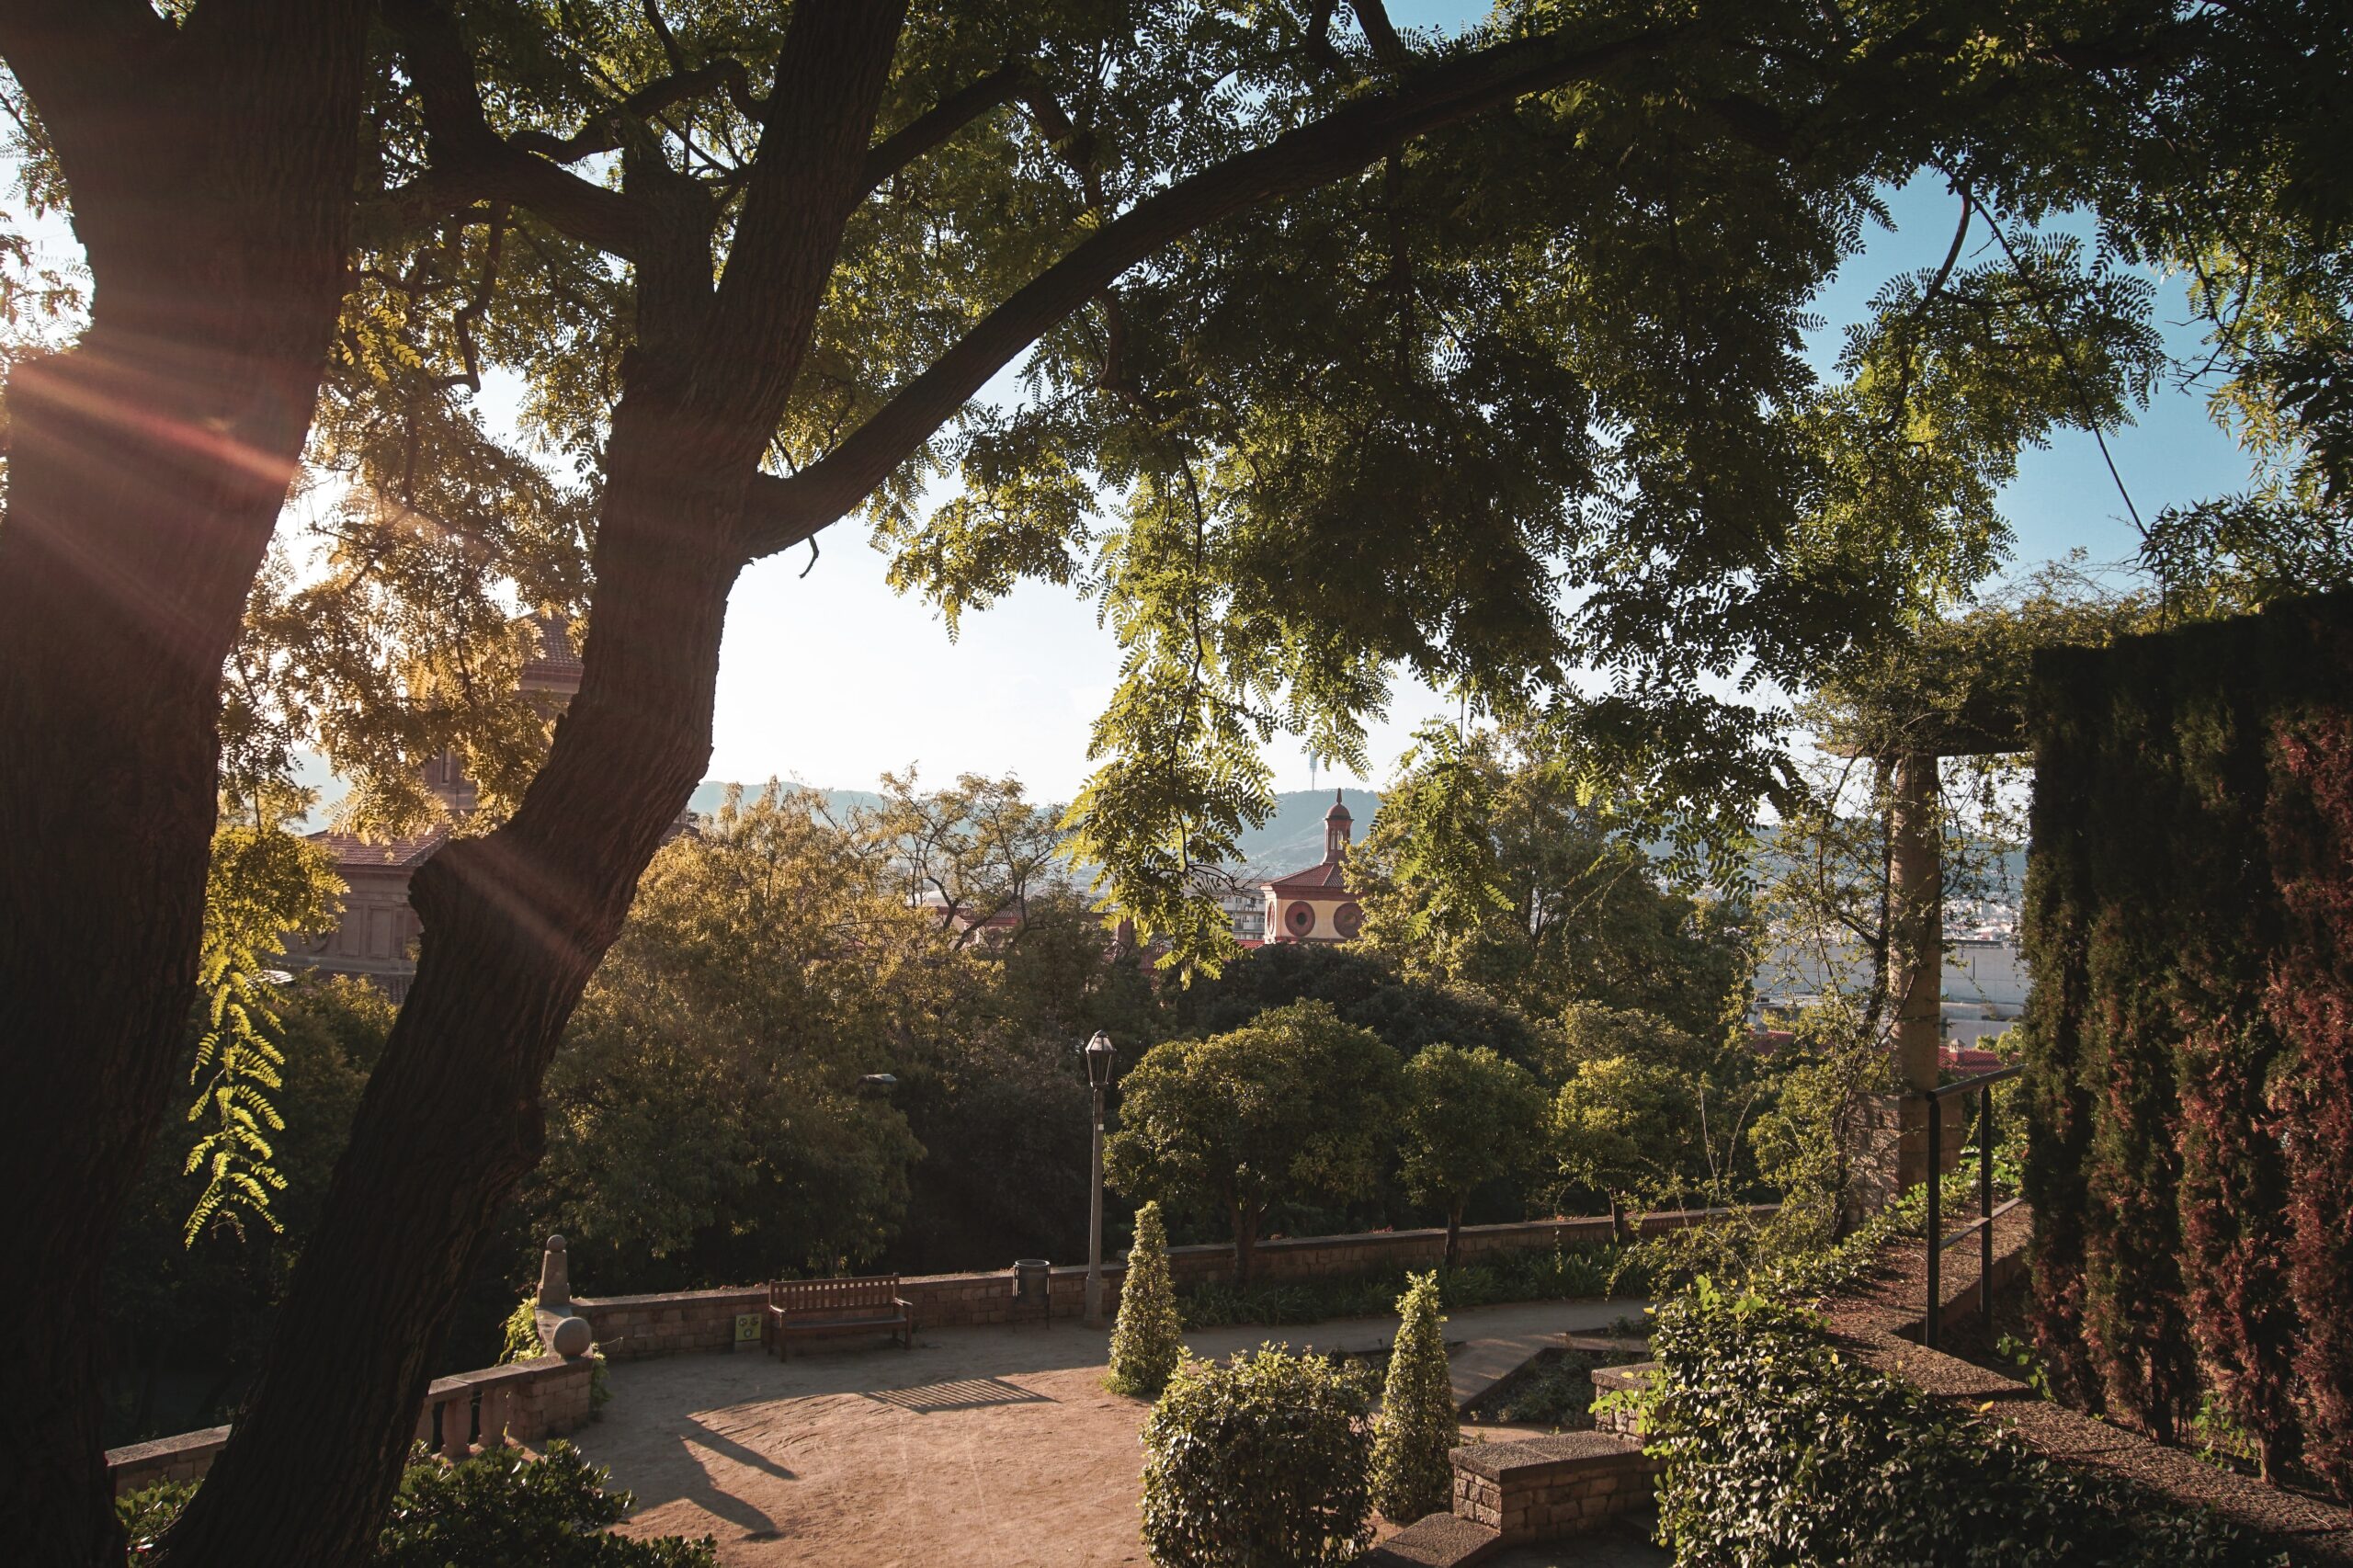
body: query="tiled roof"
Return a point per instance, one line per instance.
(1329, 877)
(557, 659)
(406, 853)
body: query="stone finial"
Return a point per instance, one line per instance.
(572, 1336)
(555, 1276)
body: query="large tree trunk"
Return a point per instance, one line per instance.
(1245, 1242)
(212, 183)
(514, 923)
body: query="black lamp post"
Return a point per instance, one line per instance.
(1098, 1079)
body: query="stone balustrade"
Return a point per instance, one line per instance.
(522, 1401)
(183, 1457)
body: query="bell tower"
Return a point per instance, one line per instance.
(1337, 826)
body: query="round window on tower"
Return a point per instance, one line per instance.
(1349, 919)
(1300, 918)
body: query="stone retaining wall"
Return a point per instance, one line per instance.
(1548, 1487)
(1634, 1378)
(631, 1328)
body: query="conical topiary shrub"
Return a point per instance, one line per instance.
(1148, 1340)
(1411, 1473)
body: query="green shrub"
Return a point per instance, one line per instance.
(1411, 1473)
(1259, 1461)
(500, 1509)
(1147, 1342)
(522, 1334)
(1557, 1394)
(147, 1513)
(1515, 1276)
(1778, 1450)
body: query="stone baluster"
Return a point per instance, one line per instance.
(457, 1419)
(497, 1404)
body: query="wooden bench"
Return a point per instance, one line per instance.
(808, 1308)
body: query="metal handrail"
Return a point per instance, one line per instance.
(1987, 1211)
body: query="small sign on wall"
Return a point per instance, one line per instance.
(747, 1328)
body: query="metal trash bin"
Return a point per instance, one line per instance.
(1033, 1287)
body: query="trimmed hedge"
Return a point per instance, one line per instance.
(2190, 924)
(1515, 1276)
(1259, 1461)
(1411, 1472)
(1147, 1342)
(1777, 1449)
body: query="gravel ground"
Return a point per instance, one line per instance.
(984, 1447)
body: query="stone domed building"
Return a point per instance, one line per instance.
(1315, 905)
(375, 939)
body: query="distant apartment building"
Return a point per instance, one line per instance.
(1245, 906)
(1982, 994)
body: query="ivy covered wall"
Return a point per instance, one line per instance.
(2190, 924)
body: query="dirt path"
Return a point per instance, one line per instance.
(986, 1447)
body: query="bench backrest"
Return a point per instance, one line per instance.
(879, 1291)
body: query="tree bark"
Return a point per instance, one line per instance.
(1916, 954)
(515, 922)
(1245, 1242)
(211, 180)
(1453, 1236)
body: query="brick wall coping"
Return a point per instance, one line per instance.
(748, 1295)
(539, 1369)
(1509, 1462)
(1571, 1227)
(1634, 1377)
(159, 1452)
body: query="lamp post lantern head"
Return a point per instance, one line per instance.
(1099, 1055)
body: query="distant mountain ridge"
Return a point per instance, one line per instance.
(712, 792)
(1290, 840)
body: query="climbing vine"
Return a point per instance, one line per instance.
(264, 882)
(2187, 924)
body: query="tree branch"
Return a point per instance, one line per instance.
(783, 512)
(472, 162)
(602, 134)
(76, 55)
(1918, 317)
(930, 128)
(1373, 16)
